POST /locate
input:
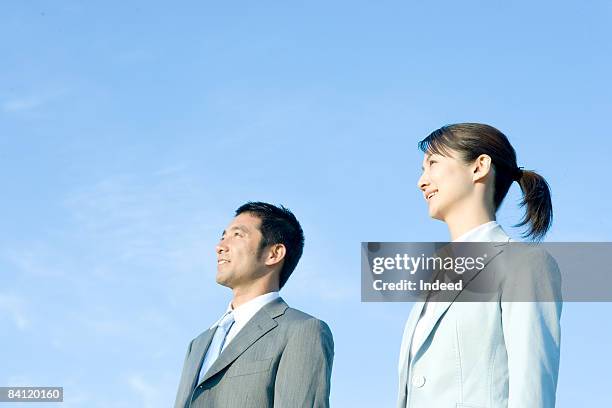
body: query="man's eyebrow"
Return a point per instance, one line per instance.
(240, 227)
(236, 227)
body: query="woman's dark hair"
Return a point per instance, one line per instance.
(278, 226)
(470, 140)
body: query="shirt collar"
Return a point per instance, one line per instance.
(487, 232)
(246, 311)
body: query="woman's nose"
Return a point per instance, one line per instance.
(422, 182)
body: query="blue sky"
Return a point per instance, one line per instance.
(129, 133)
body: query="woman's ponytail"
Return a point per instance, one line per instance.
(537, 203)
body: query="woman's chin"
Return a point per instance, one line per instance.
(436, 215)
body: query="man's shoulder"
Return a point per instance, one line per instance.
(283, 313)
(297, 315)
(296, 318)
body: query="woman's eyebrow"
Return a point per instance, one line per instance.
(427, 156)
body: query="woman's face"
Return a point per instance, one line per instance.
(446, 184)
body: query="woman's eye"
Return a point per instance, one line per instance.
(432, 162)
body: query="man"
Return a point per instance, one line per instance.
(261, 353)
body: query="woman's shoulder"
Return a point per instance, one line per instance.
(531, 271)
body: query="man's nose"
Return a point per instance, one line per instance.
(220, 248)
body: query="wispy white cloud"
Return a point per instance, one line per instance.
(107, 327)
(148, 394)
(145, 219)
(27, 103)
(22, 104)
(36, 260)
(14, 307)
(19, 381)
(120, 265)
(77, 397)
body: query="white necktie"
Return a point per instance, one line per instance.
(217, 343)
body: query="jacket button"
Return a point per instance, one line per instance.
(418, 381)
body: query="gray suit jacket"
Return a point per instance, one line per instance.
(281, 358)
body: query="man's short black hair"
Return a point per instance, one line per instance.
(278, 226)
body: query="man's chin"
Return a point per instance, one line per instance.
(223, 281)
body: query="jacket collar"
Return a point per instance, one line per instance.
(497, 237)
(261, 323)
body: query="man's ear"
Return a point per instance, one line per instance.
(481, 167)
(276, 254)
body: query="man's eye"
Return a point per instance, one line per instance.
(237, 234)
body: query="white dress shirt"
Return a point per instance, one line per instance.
(244, 313)
(477, 234)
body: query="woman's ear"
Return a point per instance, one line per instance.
(481, 167)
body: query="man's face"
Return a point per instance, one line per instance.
(237, 260)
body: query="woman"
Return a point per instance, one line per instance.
(483, 354)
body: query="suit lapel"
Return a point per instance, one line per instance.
(261, 323)
(415, 313)
(193, 365)
(442, 306)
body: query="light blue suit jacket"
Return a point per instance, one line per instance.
(488, 354)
